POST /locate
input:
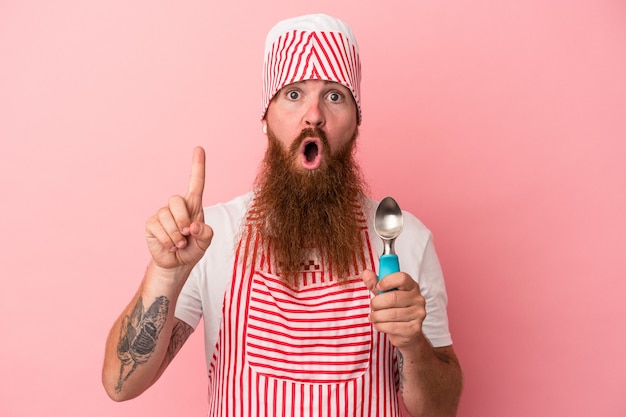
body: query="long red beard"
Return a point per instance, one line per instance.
(304, 211)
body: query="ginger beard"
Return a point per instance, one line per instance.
(304, 212)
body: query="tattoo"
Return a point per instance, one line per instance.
(138, 336)
(400, 359)
(180, 334)
(442, 357)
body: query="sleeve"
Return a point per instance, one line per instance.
(432, 285)
(189, 303)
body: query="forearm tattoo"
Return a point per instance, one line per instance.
(400, 359)
(138, 336)
(180, 333)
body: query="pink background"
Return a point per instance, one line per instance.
(501, 124)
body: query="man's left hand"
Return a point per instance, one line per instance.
(398, 307)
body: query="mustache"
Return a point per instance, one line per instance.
(307, 133)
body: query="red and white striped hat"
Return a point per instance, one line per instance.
(308, 47)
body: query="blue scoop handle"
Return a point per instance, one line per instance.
(388, 265)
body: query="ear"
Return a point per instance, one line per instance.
(264, 128)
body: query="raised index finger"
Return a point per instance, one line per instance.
(196, 180)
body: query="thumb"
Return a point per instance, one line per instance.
(370, 279)
(202, 233)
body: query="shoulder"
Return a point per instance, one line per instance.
(227, 214)
(226, 220)
(236, 206)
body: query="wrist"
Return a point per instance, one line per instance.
(418, 351)
(174, 277)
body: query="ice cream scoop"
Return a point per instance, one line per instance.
(388, 225)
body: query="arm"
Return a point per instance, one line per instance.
(143, 340)
(146, 336)
(430, 378)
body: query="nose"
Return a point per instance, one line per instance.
(314, 115)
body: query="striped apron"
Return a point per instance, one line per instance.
(306, 351)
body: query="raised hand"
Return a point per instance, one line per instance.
(176, 234)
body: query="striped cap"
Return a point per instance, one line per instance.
(316, 46)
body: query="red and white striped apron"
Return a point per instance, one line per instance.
(309, 351)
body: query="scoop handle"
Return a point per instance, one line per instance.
(388, 264)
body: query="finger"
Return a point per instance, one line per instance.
(399, 303)
(389, 315)
(399, 313)
(178, 209)
(401, 334)
(397, 281)
(370, 280)
(155, 231)
(166, 219)
(202, 233)
(196, 180)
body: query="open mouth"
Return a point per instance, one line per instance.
(311, 155)
(311, 151)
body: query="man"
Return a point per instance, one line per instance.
(296, 322)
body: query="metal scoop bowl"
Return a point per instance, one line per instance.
(388, 225)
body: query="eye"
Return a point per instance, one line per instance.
(335, 97)
(293, 94)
